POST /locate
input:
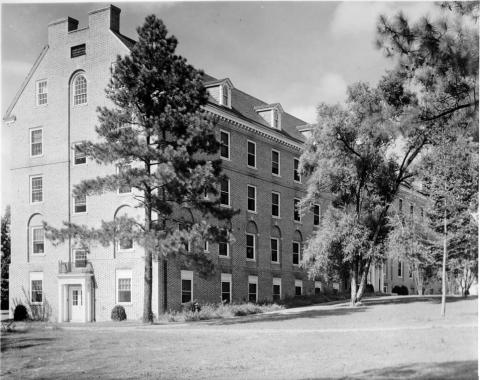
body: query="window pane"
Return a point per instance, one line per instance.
(296, 211)
(298, 290)
(251, 198)
(275, 204)
(275, 163)
(80, 259)
(225, 291)
(252, 292)
(80, 157)
(36, 138)
(224, 145)
(223, 248)
(36, 290)
(186, 291)
(37, 189)
(274, 249)
(81, 203)
(38, 240)
(251, 154)
(124, 290)
(224, 192)
(250, 247)
(296, 174)
(42, 92)
(316, 215)
(80, 90)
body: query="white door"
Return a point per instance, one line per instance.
(75, 302)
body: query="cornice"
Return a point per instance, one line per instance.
(252, 127)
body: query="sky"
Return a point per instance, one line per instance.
(298, 54)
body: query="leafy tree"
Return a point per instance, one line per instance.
(160, 136)
(411, 240)
(450, 174)
(5, 256)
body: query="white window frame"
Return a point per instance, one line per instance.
(279, 166)
(297, 171)
(228, 249)
(226, 277)
(299, 220)
(186, 275)
(74, 155)
(75, 205)
(253, 280)
(229, 145)
(206, 246)
(74, 90)
(36, 276)
(254, 199)
(254, 154)
(32, 177)
(279, 203)
(299, 284)
(37, 92)
(299, 252)
(32, 239)
(225, 88)
(120, 249)
(74, 256)
(319, 213)
(229, 195)
(121, 274)
(278, 250)
(254, 247)
(277, 281)
(31, 130)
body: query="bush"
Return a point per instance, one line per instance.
(118, 313)
(400, 290)
(20, 313)
(369, 289)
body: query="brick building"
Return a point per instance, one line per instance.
(56, 108)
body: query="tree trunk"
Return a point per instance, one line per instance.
(147, 296)
(353, 283)
(363, 281)
(444, 264)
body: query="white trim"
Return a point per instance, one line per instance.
(123, 274)
(278, 249)
(299, 252)
(254, 154)
(254, 199)
(253, 280)
(229, 195)
(186, 275)
(37, 93)
(30, 139)
(74, 145)
(279, 203)
(36, 276)
(254, 247)
(298, 170)
(279, 166)
(74, 255)
(299, 214)
(229, 145)
(31, 189)
(32, 241)
(228, 249)
(74, 79)
(206, 246)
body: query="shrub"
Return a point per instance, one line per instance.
(20, 313)
(369, 289)
(118, 313)
(400, 290)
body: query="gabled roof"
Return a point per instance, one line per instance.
(268, 107)
(128, 42)
(24, 83)
(219, 82)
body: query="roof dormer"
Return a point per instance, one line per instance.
(221, 91)
(272, 114)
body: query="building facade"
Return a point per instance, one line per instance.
(55, 108)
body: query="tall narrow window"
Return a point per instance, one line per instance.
(80, 258)
(124, 290)
(274, 250)
(250, 243)
(296, 253)
(80, 157)
(226, 285)
(251, 198)
(225, 192)
(296, 210)
(296, 172)
(251, 154)
(277, 290)
(252, 289)
(37, 291)
(187, 286)
(80, 204)
(399, 268)
(316, 215)
(275, 162)
(223, 248)
(400, 205)
(42, 93)
(36, 142)
(38, 241)
(225, 145)
(225, 96)
(275, 205)
(36, 189)
(80, 90)
(275, 119)
(298, 287)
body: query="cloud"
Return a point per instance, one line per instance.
(353, 18)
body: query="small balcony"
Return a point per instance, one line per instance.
(77, 266)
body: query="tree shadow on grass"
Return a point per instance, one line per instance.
(412, 299)
(277, 317)
(13, 342)
(460, 370)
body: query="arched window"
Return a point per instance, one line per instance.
(79, 90)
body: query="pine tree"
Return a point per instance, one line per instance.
(5, 256)
(164, 142)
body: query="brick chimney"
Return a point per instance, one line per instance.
(57, 30)
(108, 17)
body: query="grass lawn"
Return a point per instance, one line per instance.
(392, 340)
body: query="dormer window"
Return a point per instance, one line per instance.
(271, 113)
(221, 91)
(225, 96)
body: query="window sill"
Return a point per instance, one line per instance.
(276, 217)
(37, 156)
(224, 257)
(251, 260)
(252, 167)
(36, 203)
(125, 303)
(252, 212)
(225, 158)
(226, 206)
(38, 254)
(276, 175)
(80, 213)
